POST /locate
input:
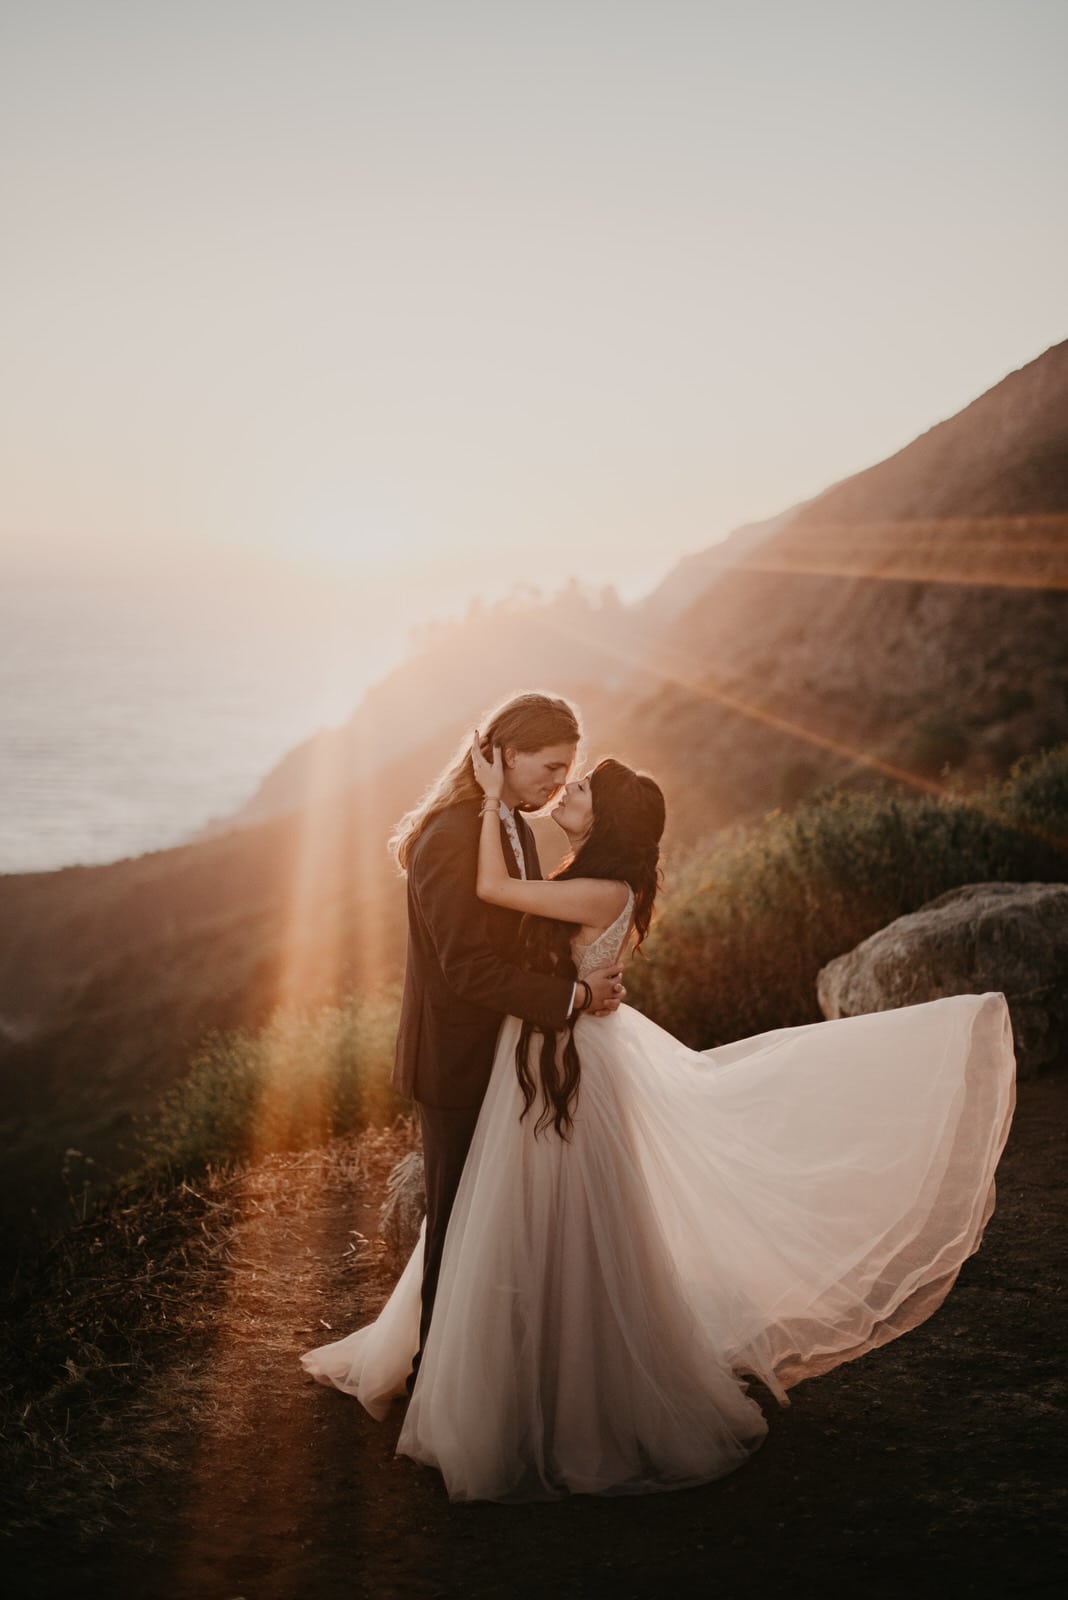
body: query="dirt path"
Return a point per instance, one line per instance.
(929, 1467)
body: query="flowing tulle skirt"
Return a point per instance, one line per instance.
(772, 1207)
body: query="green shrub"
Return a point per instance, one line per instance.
(292, 1085)
(745, 927)
(1036, 795)
(742, 933)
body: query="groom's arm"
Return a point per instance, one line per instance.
(442, 873)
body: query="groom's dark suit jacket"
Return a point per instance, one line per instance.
(461, 976)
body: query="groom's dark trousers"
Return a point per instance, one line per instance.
(461, 980)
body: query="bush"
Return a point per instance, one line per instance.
(1035, 795)
(743, 931)
(294, 1084)
(746, 927)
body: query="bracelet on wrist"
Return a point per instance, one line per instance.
(491, 803)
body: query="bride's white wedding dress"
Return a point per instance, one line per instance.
(772, 1207)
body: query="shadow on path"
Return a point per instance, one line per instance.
(930, 1467)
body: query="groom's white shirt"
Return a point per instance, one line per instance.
(513, 833)
(508, 818)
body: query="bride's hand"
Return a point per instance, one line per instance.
(489, 775)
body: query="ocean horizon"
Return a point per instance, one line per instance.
(135, 708)
(128, 722)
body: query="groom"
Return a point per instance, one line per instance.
(462, 975)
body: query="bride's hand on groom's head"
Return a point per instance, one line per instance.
(489, 775)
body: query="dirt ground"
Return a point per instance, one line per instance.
(932, 1467)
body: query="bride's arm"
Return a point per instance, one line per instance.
(593, 902)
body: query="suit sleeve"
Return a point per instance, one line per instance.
(443, 881)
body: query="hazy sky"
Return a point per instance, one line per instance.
(445, 294)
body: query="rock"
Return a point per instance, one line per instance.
(1007, 937)
(403, 1208)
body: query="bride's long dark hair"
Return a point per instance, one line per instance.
(624, 844)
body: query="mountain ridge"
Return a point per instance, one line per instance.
(1003, 455)
(924, 652)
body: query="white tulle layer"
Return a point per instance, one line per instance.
(772, 1207)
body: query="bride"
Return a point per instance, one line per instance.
(641, 1229)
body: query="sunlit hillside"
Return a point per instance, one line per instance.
(923, 654)
(887, 615)
(589, 642)
(922, 648)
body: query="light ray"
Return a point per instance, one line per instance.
(988, 552)
(1038, 538)
(672, 670)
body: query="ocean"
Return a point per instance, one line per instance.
(128, 720)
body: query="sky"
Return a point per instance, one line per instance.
(401, 302)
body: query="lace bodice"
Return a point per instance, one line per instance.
(607, 945)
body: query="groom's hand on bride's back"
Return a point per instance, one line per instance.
(606, 987)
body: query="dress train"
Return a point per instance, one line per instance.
(769, 1208)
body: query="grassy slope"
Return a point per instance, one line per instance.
(749, 924)
(744, 931)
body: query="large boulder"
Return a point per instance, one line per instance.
(403, 1208)
(1010, 937)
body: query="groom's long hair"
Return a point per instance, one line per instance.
(624, 844)
(525, 722)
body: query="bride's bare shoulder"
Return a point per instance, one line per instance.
(613, 907)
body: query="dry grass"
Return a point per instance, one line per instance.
(308, 1075)
(102, 1356)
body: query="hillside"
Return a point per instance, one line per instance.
(909, 624)
(876, 647)
(592, 643)
(916, 653)
(976, 500)
(454, 670)
(1004, 455)
(110, 975)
